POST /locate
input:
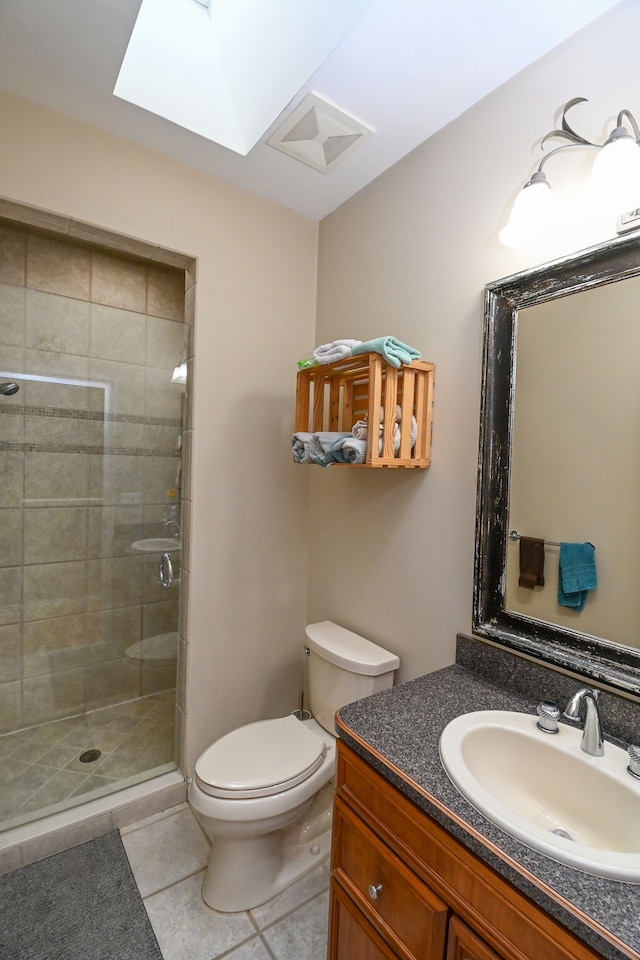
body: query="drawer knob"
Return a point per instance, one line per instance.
(375, 889)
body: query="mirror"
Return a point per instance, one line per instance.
(559, 459)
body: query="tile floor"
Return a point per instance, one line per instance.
(168, 854)
(41, 771)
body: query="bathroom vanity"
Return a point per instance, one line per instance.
(419, 874)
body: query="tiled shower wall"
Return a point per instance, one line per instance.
(89, 458)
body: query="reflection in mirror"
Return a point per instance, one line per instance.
(560, 459)
(575, 459)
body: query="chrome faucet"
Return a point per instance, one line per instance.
(592, 736)
(173, 523)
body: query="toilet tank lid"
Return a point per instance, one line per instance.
(349, 650)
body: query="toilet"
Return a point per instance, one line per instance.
(264, 792)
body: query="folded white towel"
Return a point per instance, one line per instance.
(336, 350)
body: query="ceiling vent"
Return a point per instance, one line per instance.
(319, 134)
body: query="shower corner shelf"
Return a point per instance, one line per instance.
(334, 396)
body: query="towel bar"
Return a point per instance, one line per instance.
(514, 535)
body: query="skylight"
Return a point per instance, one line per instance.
(227, 70)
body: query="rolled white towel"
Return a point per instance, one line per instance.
(360, 430)
(336, 350)
(300, 447)
(396, 439)
(398, 413)
(396, 435)
(321, 446)
(352, 449)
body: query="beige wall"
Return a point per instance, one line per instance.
(392, 553)
(254, 317)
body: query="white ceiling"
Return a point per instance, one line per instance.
(406, 69)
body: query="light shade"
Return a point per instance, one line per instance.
(532, 216)
(615, 179)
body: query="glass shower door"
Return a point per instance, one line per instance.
(89, 477)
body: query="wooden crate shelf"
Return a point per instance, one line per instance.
(335, 396)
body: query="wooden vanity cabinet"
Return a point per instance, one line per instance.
(464, 944)
(402, 887)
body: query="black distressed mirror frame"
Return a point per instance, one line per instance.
(588, 656)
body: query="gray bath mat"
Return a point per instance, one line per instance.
(82, 904)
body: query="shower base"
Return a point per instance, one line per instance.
(61, 764)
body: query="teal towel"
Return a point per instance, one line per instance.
(576, 574)
(394, 351)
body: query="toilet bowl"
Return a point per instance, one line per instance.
(267, 835)
(263, 793)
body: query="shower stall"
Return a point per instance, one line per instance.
(92, 419)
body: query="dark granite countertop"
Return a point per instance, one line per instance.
(403, 725)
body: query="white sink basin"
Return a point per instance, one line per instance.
(533, 784)
(156, 545)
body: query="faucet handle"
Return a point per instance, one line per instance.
(548, 716)
(634, 760)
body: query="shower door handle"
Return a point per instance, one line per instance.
(165, 571)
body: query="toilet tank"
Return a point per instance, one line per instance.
(343, 667)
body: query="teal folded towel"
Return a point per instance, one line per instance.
(394, 351)
(576, 574)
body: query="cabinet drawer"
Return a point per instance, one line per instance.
(409, 916)
(350, 936)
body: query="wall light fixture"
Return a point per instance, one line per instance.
(614, 184)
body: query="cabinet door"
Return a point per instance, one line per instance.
(407, 914)
(351, 937)
(464, 944)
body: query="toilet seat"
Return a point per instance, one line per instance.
(260, 759)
